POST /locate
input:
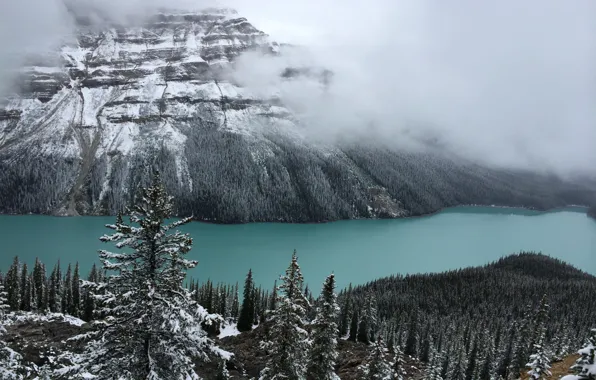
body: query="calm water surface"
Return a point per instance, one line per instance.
(357, 250)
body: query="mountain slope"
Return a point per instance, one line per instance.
(90, 121)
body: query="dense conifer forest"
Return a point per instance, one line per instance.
(139, 317)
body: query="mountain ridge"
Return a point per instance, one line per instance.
(81, 134)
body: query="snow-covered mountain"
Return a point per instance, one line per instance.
(90, 121)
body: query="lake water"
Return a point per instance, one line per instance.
(357, 250)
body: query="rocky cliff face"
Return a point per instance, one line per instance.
(90, 121)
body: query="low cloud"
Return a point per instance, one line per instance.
(509, 83)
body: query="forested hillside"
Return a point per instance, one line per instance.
(485, 319)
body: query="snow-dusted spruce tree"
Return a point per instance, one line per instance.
(585, 366)
(4, 306)
(12, 285)
(377, 367)
(433, 371)
(289, 345)
(247, 312)
(324, 334)
(152, 327)
(539, 363)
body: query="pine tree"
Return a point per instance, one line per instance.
(377, 367)
(4, 306)
(13, 285)
(344, 324)
(67, 291)
(363, 329)
(53, 291)
(458, 371)
(473, 357)
(247, 312)
(486, 369)
(522, 348)
(76, 292)
(25, 289)
(289, 344)
(39, 278)
(399, 364)
(353, 334)
(88, 299)
(540, 319)
(324, 334)
(411, 348)
(152, 328)
(585, 366)
(539, 363)
(235, 304)
(273, 299)
(433, 370)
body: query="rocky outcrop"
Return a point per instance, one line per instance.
(90, 122)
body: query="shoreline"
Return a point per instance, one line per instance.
(523, 211)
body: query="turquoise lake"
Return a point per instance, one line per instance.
(356, 251)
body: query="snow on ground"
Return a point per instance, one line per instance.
(20, 317)
(229, 329)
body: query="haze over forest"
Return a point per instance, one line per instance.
(474, 78)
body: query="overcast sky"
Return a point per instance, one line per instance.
(510, 82)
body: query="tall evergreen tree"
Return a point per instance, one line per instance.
(273, 299)
(67, 291)
(411, 347)
(39, 280)
(433, 370)
(458, 371)
(289, 344)
(399, 364)
(4, 306)
(324, 334)
(522, 348)
(75, 305)
(53, 296)
(152, 328)
(13, 285)
(377, 367)
(346, 310)
(539, 363)
(247, 311)
(235, 304)
(353, 334)
(487, 362)
(88, 298)
(472, 360)
(25, 289)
